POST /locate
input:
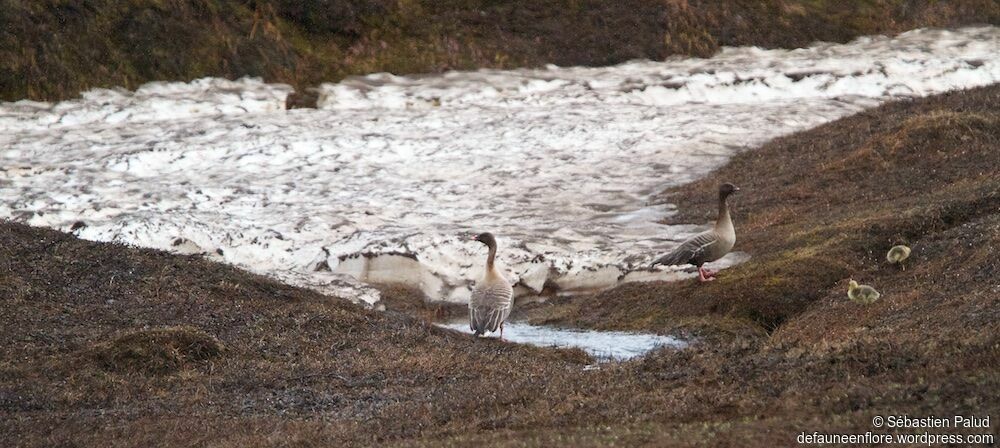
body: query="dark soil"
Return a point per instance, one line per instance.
(106, 345)
(54, 49)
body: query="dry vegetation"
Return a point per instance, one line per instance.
(53, 49)
(106, 345)
(821, 206)
(159, 350)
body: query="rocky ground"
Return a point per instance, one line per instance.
(105, 345)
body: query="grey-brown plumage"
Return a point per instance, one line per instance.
(492, 299)
(709, 245)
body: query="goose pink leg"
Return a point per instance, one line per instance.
(705, 275)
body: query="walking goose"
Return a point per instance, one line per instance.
(709, 245)
(492, 300)
(862, 294)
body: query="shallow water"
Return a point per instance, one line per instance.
(383, 180)
(602, 345)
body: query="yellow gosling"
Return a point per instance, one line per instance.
(862, 294)
(897, 254)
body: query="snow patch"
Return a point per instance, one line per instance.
(387, 179)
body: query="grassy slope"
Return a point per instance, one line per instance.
(53, 49)
(104, 345)
(824, 205)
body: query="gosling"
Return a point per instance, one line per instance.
(862, 294)
(897, 254)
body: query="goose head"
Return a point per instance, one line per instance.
(852, 285)
(727, 189)
(486, 238)
(490, 242)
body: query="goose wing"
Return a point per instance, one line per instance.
(690, 251)
(489, 307)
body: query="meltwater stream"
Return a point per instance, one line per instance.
(381, 181)
(601, 345)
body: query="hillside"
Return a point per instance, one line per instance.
(55, 49)
(106, 345)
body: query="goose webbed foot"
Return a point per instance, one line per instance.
(705, 275)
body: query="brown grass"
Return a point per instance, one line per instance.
(821, 206)
(399, 298)
(781, 350)
(54, 49)
(160, 350)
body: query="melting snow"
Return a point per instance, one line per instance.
(380, 182)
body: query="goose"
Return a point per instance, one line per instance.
(863, 294)
(492, 299)
(897, 254)
(709, 245)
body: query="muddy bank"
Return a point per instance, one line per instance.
(54, 50)
(250, 362)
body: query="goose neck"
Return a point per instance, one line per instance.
(491, 257)
(724, 217)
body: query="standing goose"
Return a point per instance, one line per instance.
(709, 245)
(492, 300)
